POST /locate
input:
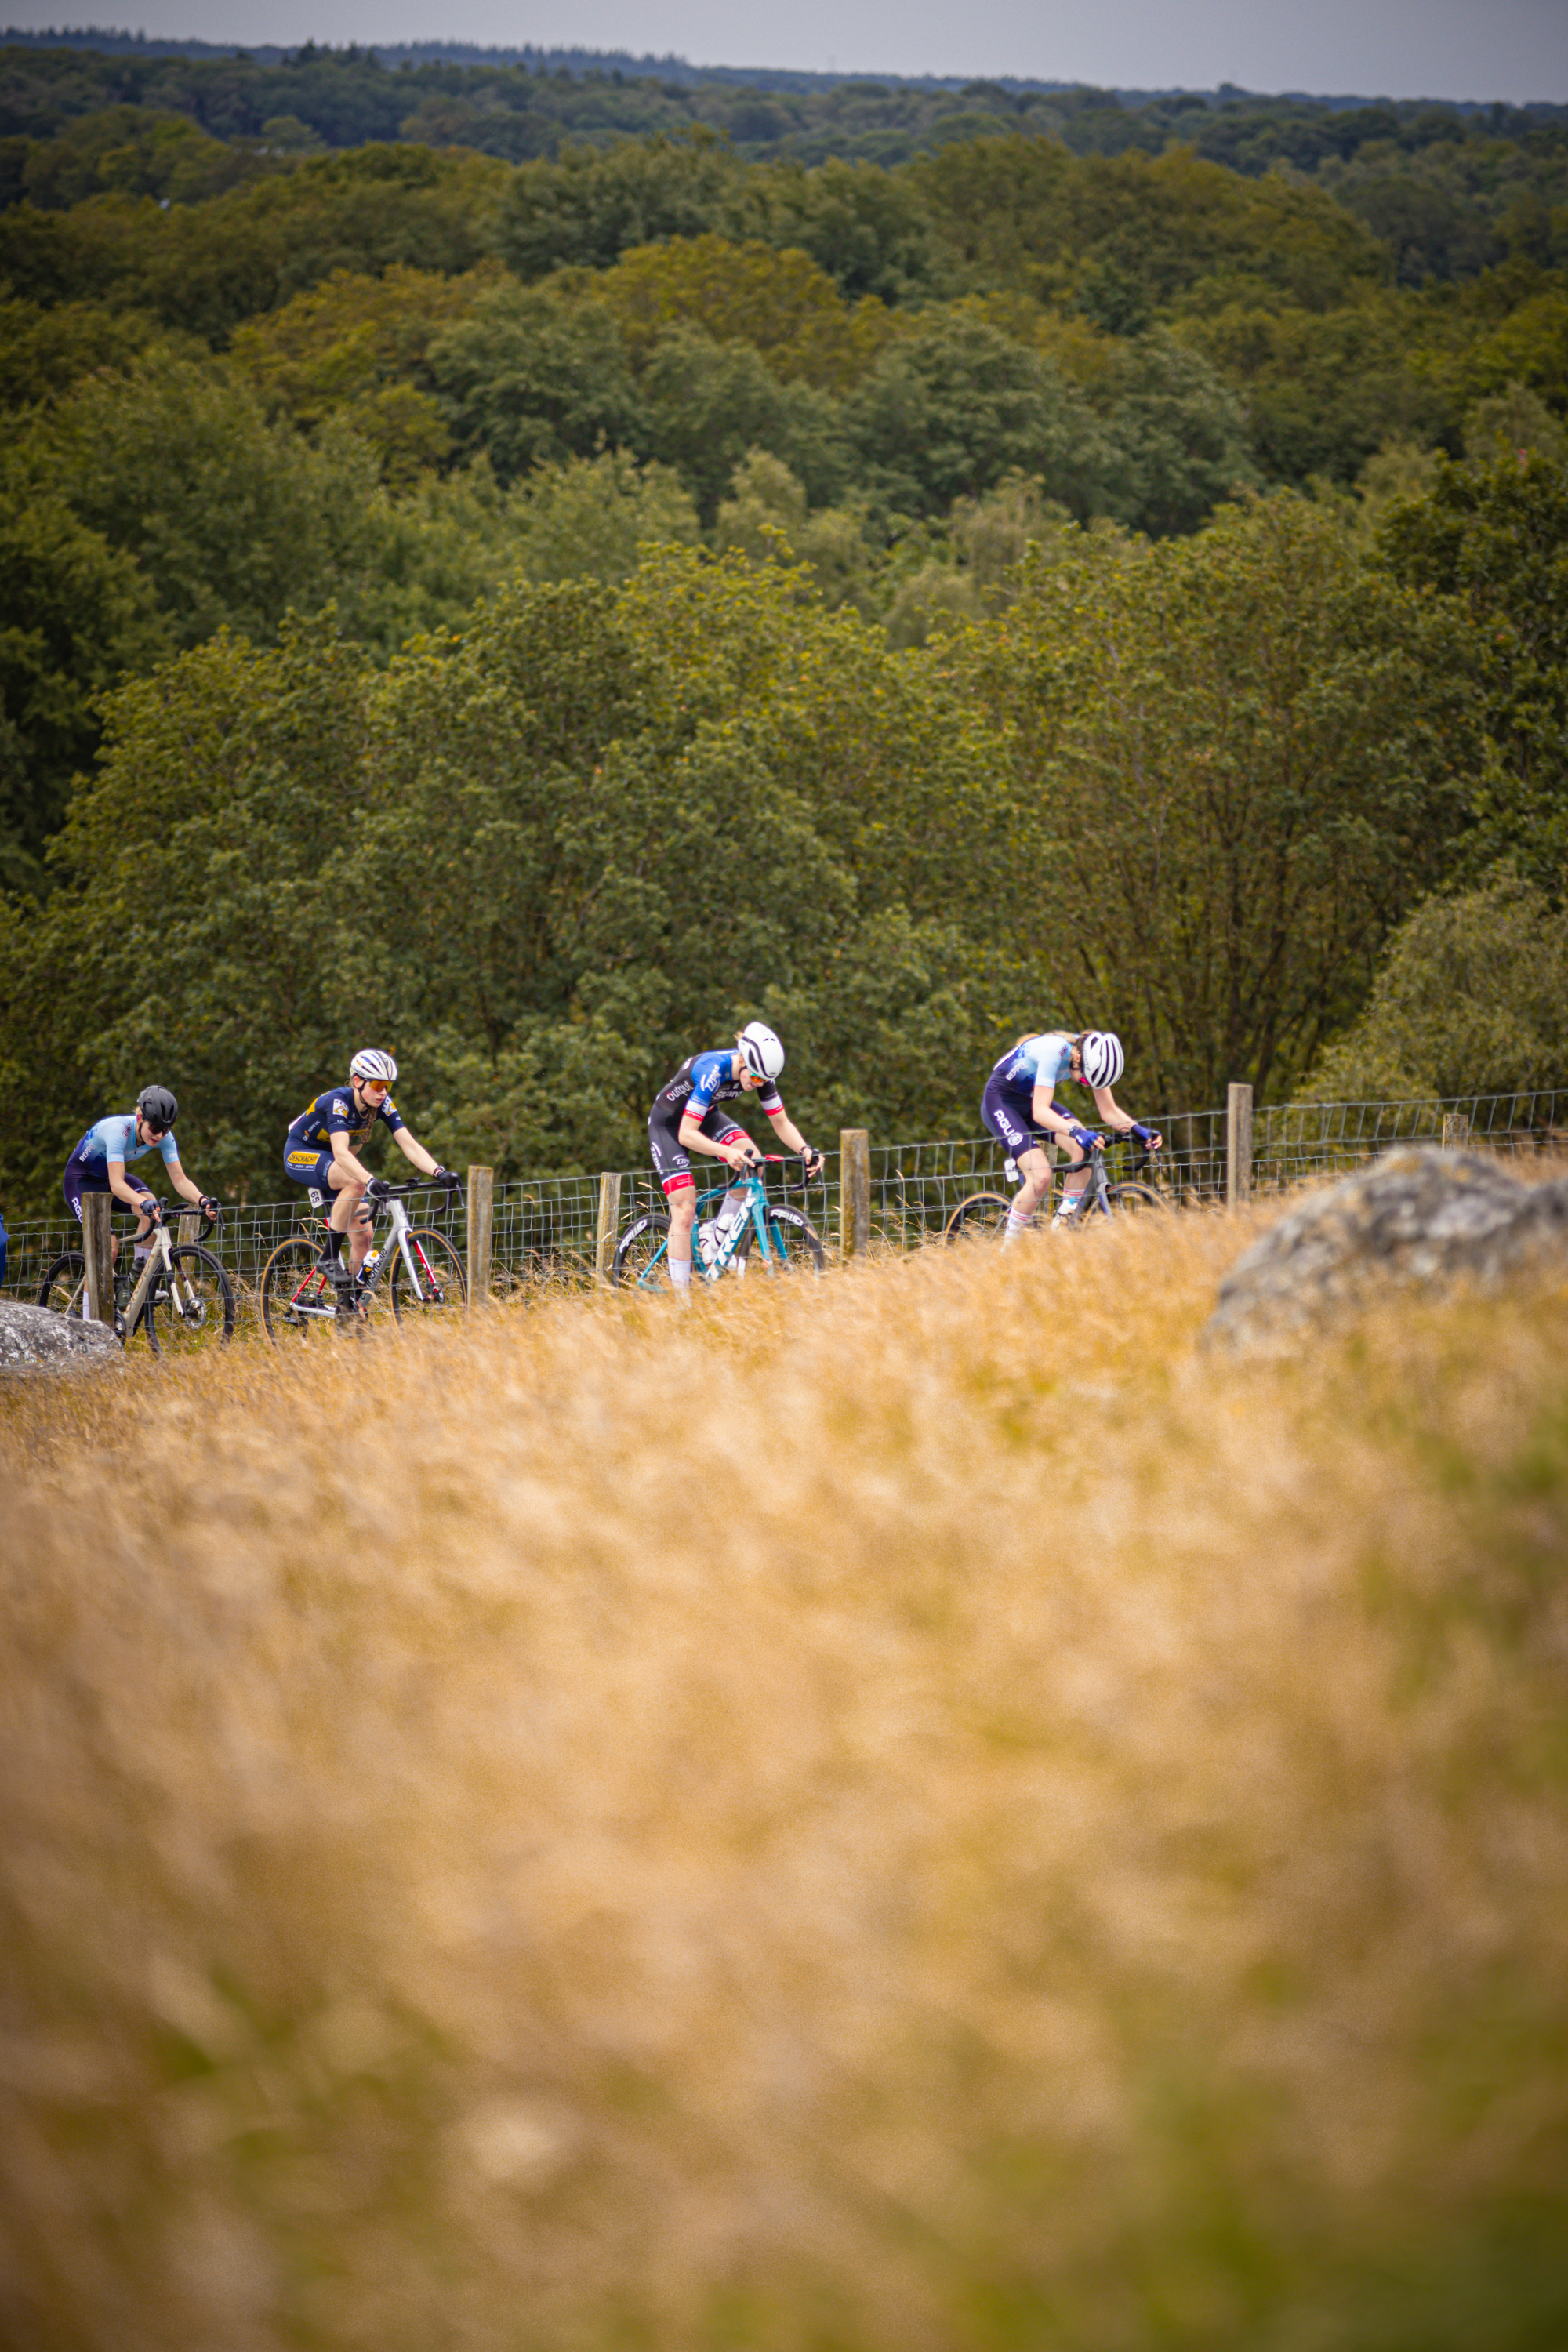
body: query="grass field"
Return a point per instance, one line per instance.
(916, 1811)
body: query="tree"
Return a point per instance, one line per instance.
(950, 408)
(529, 378)
(230, 520)
(1495, 538)
(709, 403)
(1471, 997)
(1180, 432)
(74, 613)
(1247, 760)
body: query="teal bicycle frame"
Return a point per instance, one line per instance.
(748, 1237)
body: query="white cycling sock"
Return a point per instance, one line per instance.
(680, 1273)
(1069, 1209)
(1016, 1223)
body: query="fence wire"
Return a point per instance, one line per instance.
(545, 1227)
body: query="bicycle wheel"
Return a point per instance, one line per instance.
(299, 1297)
(1133, 1199)
(441, 1280)
(640, 1260)
(985, 1213)
(64, 1287)
(793, 1247)
(198, 1310)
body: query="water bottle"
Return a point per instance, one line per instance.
(1010, 1170)
(708, 1240)
(371, 1260)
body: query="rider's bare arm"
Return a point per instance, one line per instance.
(182, 1184)
(415, 1152)
(1047, 1115)
(344, 1159)
(1112, 1112)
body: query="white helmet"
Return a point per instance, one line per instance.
(762, 1050)
(371, 1064)
(1103, 1059)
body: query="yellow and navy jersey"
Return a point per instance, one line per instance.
(336, 1113)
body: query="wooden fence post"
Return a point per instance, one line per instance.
(854, 1190)
(609, 1224)
(482, 1193)
(189, 1228)
(97, 1231)
(1238, 1146)
(1455, 1131)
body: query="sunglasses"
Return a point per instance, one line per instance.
(153, 1127)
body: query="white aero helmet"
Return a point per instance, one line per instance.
(1103, 1059)
(762, 1050)
(371, 1064)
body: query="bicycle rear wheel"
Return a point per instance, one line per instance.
(442, 1285)
(639, 1261)
(792, 1245)
(984, 1213)
(63, 1289)
(197, 1311)
(299, 1297)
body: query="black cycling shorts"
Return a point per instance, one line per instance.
(80, 1179)
(671, 1157)
(1010, 1117)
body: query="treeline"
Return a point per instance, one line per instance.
(518, 110)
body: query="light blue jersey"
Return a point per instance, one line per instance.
(1044, 1061)
(114, 1138)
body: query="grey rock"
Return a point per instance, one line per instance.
(35, 1339)
(1419, 1217)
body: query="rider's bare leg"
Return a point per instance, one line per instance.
(683, 1208)
(348, 1192)
(1035, 1172)
(1074, 1183)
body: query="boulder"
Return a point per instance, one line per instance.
(1425, 1218)
(36, 1339)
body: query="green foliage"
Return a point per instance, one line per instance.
(1495, 538)
(1246, 758)
(949, 409)
(73, 612)
(527, 378)
(1471, 997)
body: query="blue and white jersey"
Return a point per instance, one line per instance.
(704, 1079)
(115, 1138)
(1043, 1061)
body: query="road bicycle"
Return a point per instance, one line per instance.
(986, 1213)
(180, 1301)
(762, 1233)
(414, 1274)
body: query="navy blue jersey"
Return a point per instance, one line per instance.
(336, 1113)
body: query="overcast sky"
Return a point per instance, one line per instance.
(1514, 49)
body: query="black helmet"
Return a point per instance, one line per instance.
(158, 1107)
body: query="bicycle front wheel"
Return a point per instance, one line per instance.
(438, 1283)
(1133, 1199)
(63, 1289)
(299, 1297)
(640, 1260)
(792, 1245)
(984, 1213)
(193, 1307)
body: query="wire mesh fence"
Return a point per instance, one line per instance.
(545, 1228)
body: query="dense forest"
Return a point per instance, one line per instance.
(535, 564)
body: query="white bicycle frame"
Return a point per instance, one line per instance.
(396, 1245)
(160, 1258)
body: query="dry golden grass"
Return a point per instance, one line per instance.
(917, 1810)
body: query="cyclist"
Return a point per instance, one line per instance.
(686, 1118)
(1018, 1107)
(321, 1145)
(98, 1164)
